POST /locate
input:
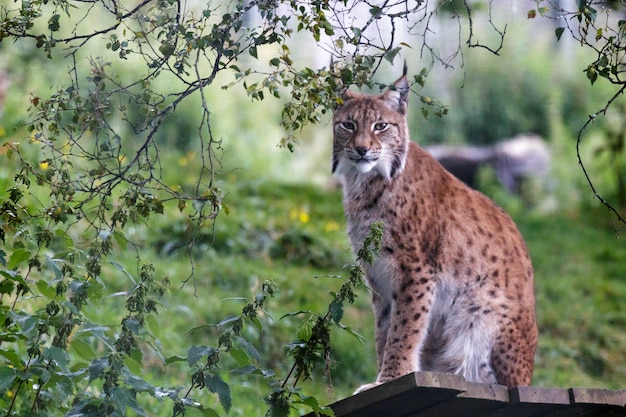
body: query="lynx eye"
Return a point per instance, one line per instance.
(349, 126)
(381, 127)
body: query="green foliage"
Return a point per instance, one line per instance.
(76, 376)
(52, 360)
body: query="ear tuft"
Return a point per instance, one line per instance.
(397, 96)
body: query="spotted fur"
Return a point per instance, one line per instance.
(452, 286)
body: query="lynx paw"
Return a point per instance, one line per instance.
(366, 387)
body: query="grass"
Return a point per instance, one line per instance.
(580, 285)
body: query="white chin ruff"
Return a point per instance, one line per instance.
(365, 166)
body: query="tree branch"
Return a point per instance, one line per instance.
(591, 120)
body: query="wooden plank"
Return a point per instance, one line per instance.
(408, 394)
(431, 394)
(596, 402)
(361, 401)
(533, 401)
(598, 396)
(477, 400)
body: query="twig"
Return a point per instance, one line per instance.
(592, 119)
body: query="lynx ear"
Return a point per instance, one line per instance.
(397, 96)
(348, 94)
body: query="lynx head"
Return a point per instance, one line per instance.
(370, 132)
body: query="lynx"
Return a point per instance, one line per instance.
(452, 285)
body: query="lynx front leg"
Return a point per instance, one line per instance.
(382, 311)
(407, 329)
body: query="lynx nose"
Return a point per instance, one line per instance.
(361, 150)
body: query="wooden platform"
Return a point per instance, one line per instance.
(428, 394)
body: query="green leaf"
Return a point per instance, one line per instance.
(133, 324)
(376, 11)
(315, 406)
(200, 328)
(230, 319)
(7, 376)
(52, 264)
(14, 276)
(391, 54)
(216, 385)
(336, 311)
(591, 13)
(63, 385)
(195, 353)
(121, 240)
(85, 408)
(599, 34)
(137, 383)
(257, 323)
(13, 358)
(28, 323)
(53, 23)
(17, 257)
(98, 332)
(121, 268)
(246, 370)
(592, 74)
(123, 397)
(249, 349)
(294, 313)
(133, 365)
(174, 358)
(279, 405)
(57, 355)
(559, 32)
(209, 412)
(153, 325)
(351, 332)
(82, 349)
(45, 289)
(97, 368)
(240, 356)
(305, 331)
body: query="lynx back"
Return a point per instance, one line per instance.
(452, 286)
